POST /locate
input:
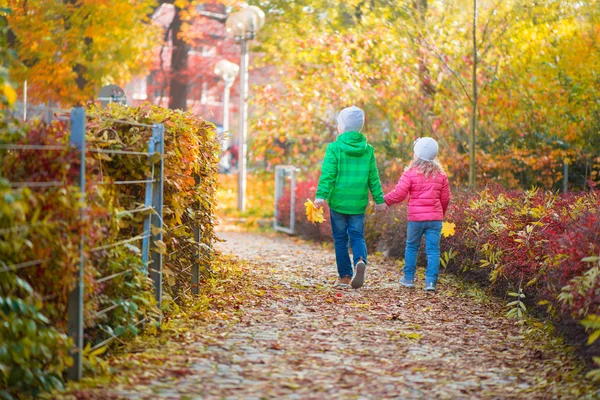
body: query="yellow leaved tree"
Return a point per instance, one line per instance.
(68, 49)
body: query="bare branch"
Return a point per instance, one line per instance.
(439, 138)
(463, 84)
(487, 24)
(495, 71)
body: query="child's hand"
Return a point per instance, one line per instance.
(383, 207)
(319, 202)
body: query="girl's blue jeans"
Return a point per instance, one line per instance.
(344, 226)
(432, 231)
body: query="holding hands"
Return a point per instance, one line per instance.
(383, 207)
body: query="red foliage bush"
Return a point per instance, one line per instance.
(532, 239)
(580, 240)
(535, 241)
(305, 190)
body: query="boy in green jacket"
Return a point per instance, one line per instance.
(348, 173)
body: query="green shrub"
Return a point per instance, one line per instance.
(33, 353)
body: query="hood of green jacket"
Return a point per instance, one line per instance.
(352, 143)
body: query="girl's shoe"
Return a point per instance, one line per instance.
(359, 275)
(406, 282)
(430, 287)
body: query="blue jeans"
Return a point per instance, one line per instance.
(432, 231)
(342, 227)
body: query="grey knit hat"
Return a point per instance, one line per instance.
(426, 148)
(351, 119)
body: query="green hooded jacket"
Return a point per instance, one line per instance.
(348, 172)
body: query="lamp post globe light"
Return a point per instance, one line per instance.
(227, 71)
(243, 25)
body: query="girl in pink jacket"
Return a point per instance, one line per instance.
(425, 184)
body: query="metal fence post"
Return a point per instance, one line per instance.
(279, 183)
(281, 174)
(157, 203)
(293, 201)
(75, 305)
(196, 265)
(148, 204)
(565, 176)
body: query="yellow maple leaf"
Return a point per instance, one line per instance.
(10, 93)
(448, 229)
(313, 214)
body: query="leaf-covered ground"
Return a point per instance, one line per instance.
(283, 331)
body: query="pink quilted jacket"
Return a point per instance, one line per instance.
(428, 196)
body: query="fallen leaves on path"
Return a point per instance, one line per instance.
(285, 332)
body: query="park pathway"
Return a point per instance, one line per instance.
(296, 337)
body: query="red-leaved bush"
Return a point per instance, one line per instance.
(305, 190)
(533, 239)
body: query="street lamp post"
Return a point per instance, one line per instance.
(227, 71)
(243, 25)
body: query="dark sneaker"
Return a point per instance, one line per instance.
(406, 282)
(359, 274)
(344, 283)
(430, 287)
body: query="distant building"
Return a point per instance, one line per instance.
(205, 95)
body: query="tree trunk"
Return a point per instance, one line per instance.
(427, 88)
(80, 69)
(474, 102)
(178, 90)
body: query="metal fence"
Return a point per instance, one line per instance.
(152, 209)
(27, 112)
(285, 185)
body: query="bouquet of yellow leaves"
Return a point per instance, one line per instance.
(314, 214)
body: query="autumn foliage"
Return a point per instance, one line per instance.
(67, 50)
(532, 240)
(44, 223)
(191, 157)
(411, 68)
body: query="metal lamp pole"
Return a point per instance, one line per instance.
(228, 71)
(244, 25)
(243, 162)
(228, 84)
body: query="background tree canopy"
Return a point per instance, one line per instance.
(409, 64)
(68, 49)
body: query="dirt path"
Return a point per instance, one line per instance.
(298, 338)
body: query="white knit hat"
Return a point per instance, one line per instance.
(426, 148)
(351, 119)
